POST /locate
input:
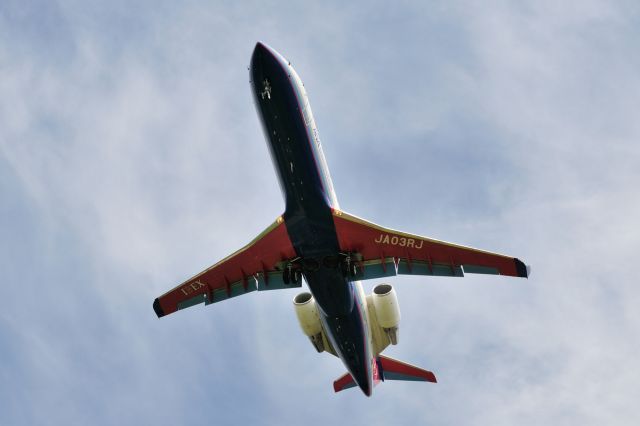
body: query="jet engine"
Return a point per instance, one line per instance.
(387, 310)
(309, 319)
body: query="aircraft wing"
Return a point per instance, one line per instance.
(381, 252)
(256, 266)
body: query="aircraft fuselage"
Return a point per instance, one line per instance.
(293, 140)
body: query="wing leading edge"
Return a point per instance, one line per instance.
(384, 252)
(256, 266)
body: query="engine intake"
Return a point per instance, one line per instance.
(309, 319)
(387, 310)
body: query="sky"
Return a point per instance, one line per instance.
(131, 157)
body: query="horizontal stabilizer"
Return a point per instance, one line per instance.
(344, 382)
(393, 369)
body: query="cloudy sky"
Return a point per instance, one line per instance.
(131, 157)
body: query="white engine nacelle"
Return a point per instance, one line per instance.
(309, 319)
(387, 309)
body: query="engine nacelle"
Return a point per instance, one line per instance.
(387, 309)
(309, 319)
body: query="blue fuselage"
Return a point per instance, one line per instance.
(297, 155)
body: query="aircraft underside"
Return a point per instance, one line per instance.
(330, 248)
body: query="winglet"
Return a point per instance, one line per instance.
(522, 269)
(157, 308)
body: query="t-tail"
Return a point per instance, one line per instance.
(386, 368)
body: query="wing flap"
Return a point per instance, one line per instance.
(420, 267)
(377, 268)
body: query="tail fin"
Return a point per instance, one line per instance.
(392, 369)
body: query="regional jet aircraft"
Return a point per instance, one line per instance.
(332, 249)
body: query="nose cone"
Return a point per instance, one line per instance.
(262, 62)
(257, 57)
(268, 70)
(265, 56)
(261, 54)
(260, 50)
(260, 46)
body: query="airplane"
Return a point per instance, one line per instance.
(332, 249)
